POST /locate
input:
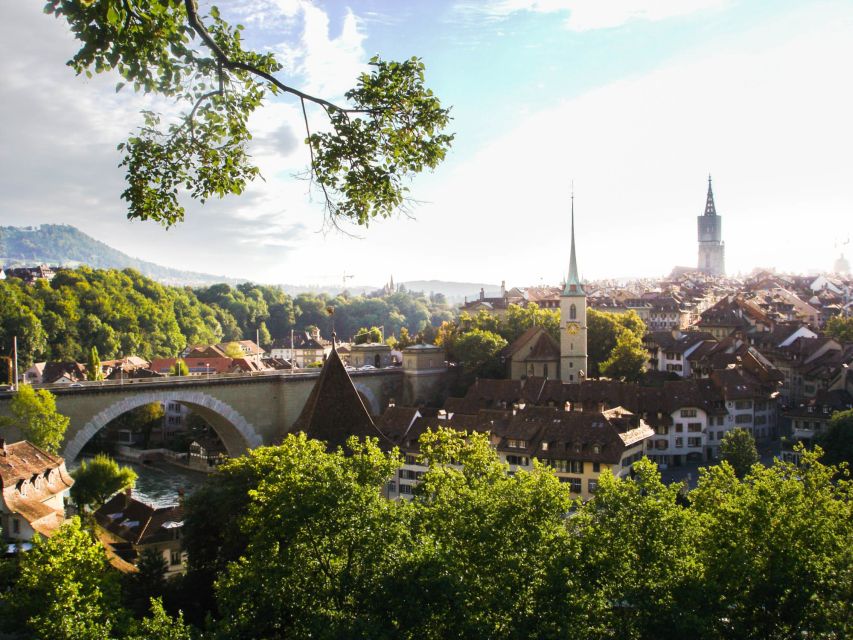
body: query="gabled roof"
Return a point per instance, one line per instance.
(335, 411)
(137, 522)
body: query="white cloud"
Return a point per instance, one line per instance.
(587, 15)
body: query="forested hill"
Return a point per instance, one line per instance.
(124, 313)
(62, 244)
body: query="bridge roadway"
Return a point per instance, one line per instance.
(246, 410)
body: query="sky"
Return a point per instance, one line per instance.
(634, 102)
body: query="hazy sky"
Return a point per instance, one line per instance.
(636, 101)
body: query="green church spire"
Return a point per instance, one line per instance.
(573, 284)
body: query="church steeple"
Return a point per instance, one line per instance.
(573, 284)
(710, 209)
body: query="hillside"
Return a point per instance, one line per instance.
(61, 244)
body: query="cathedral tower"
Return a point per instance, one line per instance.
(711, 247)
(573, 359)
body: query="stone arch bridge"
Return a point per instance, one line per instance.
(245, 410)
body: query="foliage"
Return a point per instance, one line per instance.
(738, 449)
(149, 582)
(122, 313)
(776, 550)
(837, 441)
(479, 352)
(321, 538)
(34, 413)
(603, 332)
(93, 366)
(97, 480)
(180, 368)
(364, 335)
(389, 129)
(65, 589)
(161, 626)
(233, 350)
(627, 359)
(840, 328)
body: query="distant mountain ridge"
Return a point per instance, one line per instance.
(65, 245)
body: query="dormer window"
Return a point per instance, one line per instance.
(596, 448)
(544, 446)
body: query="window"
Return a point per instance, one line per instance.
(592, 485)
(573, 312)
(574, 484)
(561, 466)
(694, 427)
(694, 442)
(679, 427)
(743, 418)
(688, 413)
(679, 443)
(406, 489)
(596, 467)
(517, 460)
(411, 459)
(575, 466)
(743, 404)
(544, 446)
(175, 558)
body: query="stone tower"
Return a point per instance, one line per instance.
(711, 247)
(573, 358)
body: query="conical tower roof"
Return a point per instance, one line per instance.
(710, 209)
(335, 411)
(573, 284)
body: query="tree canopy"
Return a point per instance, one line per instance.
(97, 480)
(738, 449)
(837, 441)
(388, 127)
(35, 415)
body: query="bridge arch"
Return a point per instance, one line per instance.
(232, 428)
(369, 397)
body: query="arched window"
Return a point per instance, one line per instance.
(573, 312)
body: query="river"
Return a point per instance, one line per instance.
(160, 485)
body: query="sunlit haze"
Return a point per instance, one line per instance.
(635, 102)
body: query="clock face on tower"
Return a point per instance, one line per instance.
(572, 328)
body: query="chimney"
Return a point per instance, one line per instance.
(503, 288)
(315, 333)
(482, 293)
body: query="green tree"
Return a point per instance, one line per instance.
(148, 582)
(635, 572)
(161, 626)
(233, 350)
(264, 336)
(738, 449)
(35, 415)
(66, 589)
(837, 441)
(627, 360)
(96, 481)
(141, 419)
(333, 537)
(364, 335)
(840, 328)
(93, 366)
(603, 331)
(479, 352)
(180, 368)
(775, 548)
(389, 128)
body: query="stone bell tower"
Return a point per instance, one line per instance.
(573, 354)
(711, 247)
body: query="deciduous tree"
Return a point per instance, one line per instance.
(738, 449)
(837, 441)
(97, 480)
(93, 366)
(389, 127)
(179, 368)
(35, 415)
